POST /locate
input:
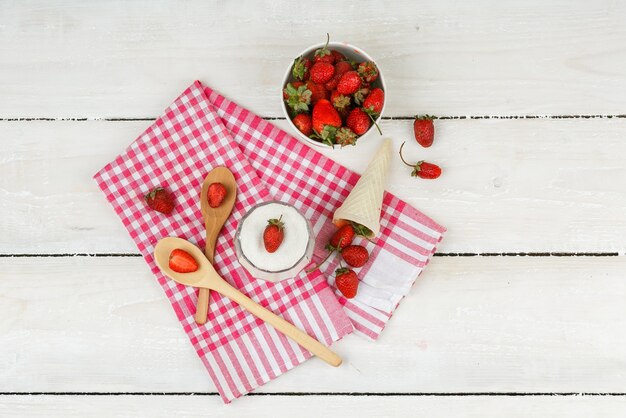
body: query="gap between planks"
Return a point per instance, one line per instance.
(443, 117)
(362, 394)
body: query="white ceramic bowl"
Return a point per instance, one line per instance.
(351, 52)
(275, 275)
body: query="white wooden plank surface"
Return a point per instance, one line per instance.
(125, 59)
(312, 406)
(471, 324)
(523, 185)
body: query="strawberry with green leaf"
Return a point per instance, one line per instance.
(298, 98)
(422, 169)
(368, 71)
(361, 94)
(325, 120)
(324, 54)
(345, 137)
(373, 103)
(301, 68)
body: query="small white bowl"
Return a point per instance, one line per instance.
(275, 275)
(352, 53)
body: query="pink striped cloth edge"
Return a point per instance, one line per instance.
(317, 185)
(239, 351)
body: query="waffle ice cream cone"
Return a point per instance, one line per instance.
(364, 203)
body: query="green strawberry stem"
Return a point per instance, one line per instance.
(375, 124)
(402, 158)
(321, 262)
(331, 251)
(362, 231)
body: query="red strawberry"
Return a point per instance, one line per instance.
(160, 200)
(273, 234)
(355, 255)
(318, 92)
(216, 194)
(182, 262)
(324, 54)
(295, 85)
(321, 72)
(342, 237)
(325, 114)
(303, 123)
(345, 137)
(373, 103)
(301, 67)
(340, 101)
(368, 71)
(349, 83)
(297, 96)
(361, 94)
(347, 282)
(424, 130)
(341, 68)
(341, 222)
(422, 168)
(338, 56)
(358, 121)
(427, 170)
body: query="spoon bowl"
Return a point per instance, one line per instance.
(198, 278)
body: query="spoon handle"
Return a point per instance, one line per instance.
(299, 336)
(212, 232)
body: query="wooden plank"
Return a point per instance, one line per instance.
(116, 59)
(311, 406)
(508, 185)
(471, 324)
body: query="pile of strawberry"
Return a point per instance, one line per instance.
(332, 99)
(355, 256)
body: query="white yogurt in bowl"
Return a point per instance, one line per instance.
(293, 254)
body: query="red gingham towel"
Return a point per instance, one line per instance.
(201, 130)
(239, 351)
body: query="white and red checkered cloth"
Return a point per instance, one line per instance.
(202, 130)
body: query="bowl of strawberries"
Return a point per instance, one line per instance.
(333, 94)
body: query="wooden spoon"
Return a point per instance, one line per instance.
(214, 219)
(207, 277)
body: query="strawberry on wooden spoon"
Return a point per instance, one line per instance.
(182, 262)
(216, 194)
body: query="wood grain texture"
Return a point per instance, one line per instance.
(121, 59)
(482, 324)
(311, 406)
(471, 324)
(507, 185)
